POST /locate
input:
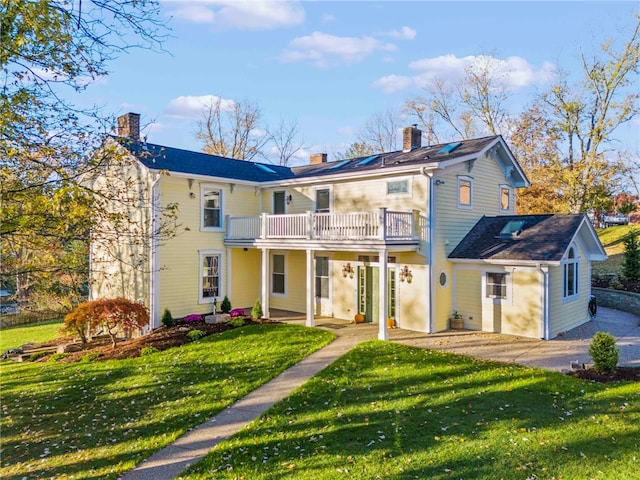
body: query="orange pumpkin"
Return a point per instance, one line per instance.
(359, 318)
(391, 323)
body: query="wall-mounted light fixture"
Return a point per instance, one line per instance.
(439, 182)
(347, 269)
(191, 193)
(289, 199)
(405, 274)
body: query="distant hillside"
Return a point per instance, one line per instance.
(612, 239)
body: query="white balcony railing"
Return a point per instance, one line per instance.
(381, 225)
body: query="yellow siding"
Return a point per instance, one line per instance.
(296, 284)
(567, 315)
(344, 291)
(120, 258)
(453, 223)
(179, 257)
(468, 285)
(522, 316)
(244, 277)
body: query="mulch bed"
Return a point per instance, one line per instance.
(616, 283)
(620, 374)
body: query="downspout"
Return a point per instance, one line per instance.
(544, 327)
(154, 273)
(430, 209)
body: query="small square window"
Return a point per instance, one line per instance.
(496, 285)
(395, 187)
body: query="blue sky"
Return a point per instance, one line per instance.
(329, 66)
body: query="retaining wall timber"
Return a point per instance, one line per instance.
(620, 300)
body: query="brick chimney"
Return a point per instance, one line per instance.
(317, 158)
(411, 138)
(129, 126)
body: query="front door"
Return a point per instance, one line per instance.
(323, 291)
(369, 293)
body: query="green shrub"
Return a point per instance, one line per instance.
(57, 356)
(236, 322)
(38, 356)
(225, 306)
(256, 311)
(167, 319)
(604, 352)
(150, 350)
(89, 357)
(631, 266)
(196, 334)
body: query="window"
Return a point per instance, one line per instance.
(442, 279)
(505, 198)
(210, 276)
(322, 277)
(279, 203)
(465, 192)
(571, 278)
(496, 285)
(400, 186)
(323, 203)
(278, 278)
(211, 209)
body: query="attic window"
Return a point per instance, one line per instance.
(264, 168)
(366, 161)
(449, 148)
(339, 164)
(512, 229)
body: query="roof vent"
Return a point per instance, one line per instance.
(512, 229)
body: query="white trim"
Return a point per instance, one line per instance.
(204, 189)
(221, 280)
(285, 273)
(446, 279)
(465, 178)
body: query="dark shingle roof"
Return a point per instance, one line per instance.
(543, 238)
(185, 161)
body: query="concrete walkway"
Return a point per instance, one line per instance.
(556, 354)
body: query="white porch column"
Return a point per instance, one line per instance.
(310, 288)
(264, 283)
(383, 334)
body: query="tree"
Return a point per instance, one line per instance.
(231, 129)
(589, 113)
(355, 150)
(380, 131)
(48, 144)
(284, 137)
(464, 109)
(631, 266)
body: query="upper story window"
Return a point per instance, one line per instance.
(323, 200)
(505, 198)
(279, 203)
(570, 274)
(397, 186)
(211, 208)
(465, 192)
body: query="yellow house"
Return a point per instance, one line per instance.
(379, 236)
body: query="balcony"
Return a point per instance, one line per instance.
(381, 227)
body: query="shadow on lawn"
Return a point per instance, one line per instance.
(444, 415)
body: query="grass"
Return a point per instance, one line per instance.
(99, 419)
(612, 239)
(390, 411)
(15, 336)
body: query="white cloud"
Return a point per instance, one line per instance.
(513, 72)
(405, 33)
(192, 107)
(327, 17)
(348, 130)
(325, 50)
(242, 14)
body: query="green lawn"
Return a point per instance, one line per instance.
(15, 336)
(612, 239)
(391, 411)
(99, 419)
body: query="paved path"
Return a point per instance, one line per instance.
(556, 354)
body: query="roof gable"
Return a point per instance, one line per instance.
(542, 238)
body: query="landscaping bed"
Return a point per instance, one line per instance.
(620, 374)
